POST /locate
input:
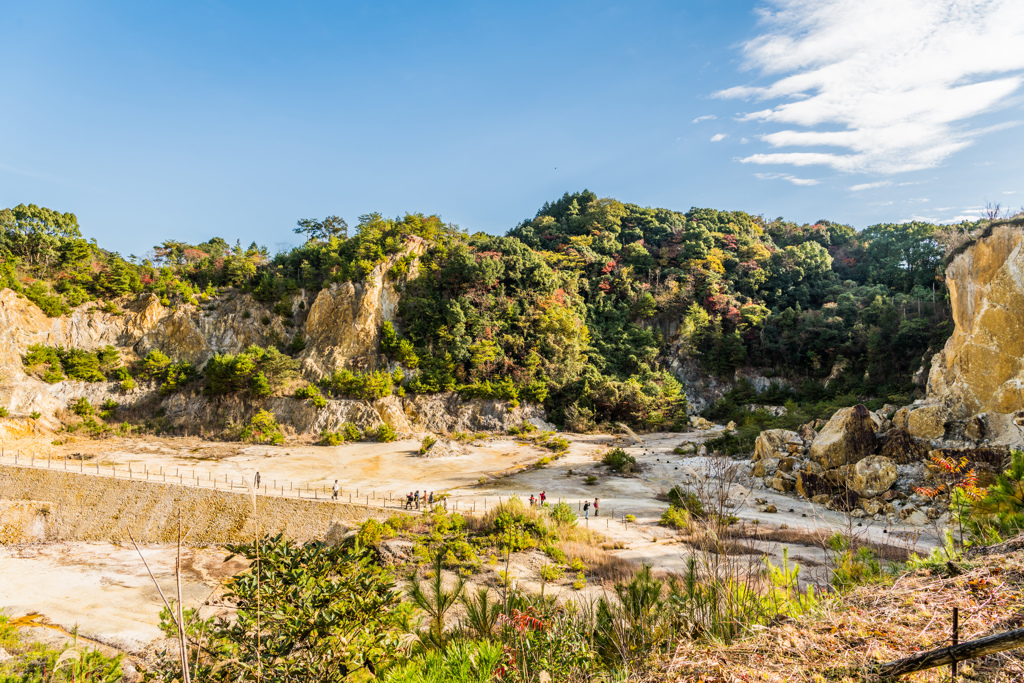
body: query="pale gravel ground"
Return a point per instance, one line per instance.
(104, 589)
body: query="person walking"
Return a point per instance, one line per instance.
(430, 501)
(533, 501)
(408, 500)
(256, 479)
(416, 497)
(586, 510)
(335, 490)
(543, 497)
(595, 506)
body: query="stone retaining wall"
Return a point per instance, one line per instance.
(39, 505)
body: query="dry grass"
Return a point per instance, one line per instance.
(818, 538)
(602, 567)
(873, 624)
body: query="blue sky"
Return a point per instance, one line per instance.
(194, 119)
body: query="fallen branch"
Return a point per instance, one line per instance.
(943, 656)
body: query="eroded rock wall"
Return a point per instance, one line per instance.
(981, 368)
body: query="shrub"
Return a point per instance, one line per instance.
(331, 438)
(351, 432)
(3, 412)
(263, 428)
(551, 572)
(311, 392)
(590, 480)
(372, 532)
(368, 386)
(680, 498)
(260, 371)
(82, 407)
(617, 460)
(674, 518)
(630, 519)
(563, 514)
(580, 583)
(128, 384)
(385, 433)
(428, 441)
(35, 415)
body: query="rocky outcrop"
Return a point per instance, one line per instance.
(981, 367)
(343, 327)
(847, 438)
(340, 326)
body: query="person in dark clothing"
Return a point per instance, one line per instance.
(586, 509)
(408, 500)
(256, 480)
(416, 497)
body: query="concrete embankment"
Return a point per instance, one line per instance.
(39, 505)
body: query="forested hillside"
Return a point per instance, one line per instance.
(580, 307)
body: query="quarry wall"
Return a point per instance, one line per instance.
(41, 505)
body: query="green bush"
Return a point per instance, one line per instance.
(35, 415)
(428, 441)
(681, 499)
(311, 392)
(331, 438)
(562, 514)
(263, 428)
(259, 371)
(82, 407)
(367, 386)
(3, 412)
(617, 460)
(674, 518)
(385, 433)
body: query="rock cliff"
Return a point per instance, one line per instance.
(340, 326)
(976, 383)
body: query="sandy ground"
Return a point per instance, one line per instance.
(105, 591)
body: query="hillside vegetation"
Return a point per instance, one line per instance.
(584, 307)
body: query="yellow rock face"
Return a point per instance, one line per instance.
(981, 368)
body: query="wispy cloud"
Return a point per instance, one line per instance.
(718, 137)
(785, 176)
(706, 117)
(870, 186)
(891, 84)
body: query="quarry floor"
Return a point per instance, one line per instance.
(104, 590)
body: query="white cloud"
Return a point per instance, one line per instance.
(706, 117)
(890, 84)
(870, 186)
(785, 176)
(718, 137)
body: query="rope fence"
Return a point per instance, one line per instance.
(270, 487)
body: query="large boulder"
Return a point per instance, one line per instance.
(872, 476)
(901, 447)
(810, 485)
(847, 438)
(772, 443)
(928, 421)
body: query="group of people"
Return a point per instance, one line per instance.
(415, 498)
(536, 501)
